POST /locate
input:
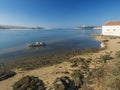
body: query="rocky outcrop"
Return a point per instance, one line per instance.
(29, 83)
(78, 79)
(63, 83)
(6, 74)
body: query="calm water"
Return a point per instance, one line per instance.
(13, 42)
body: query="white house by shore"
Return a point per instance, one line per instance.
(111, 28)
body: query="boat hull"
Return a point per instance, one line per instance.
(36, 45)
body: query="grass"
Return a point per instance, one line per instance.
(118, 54)
(113, 77)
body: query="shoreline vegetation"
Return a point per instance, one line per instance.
(89, 69)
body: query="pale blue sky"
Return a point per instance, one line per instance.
(58, 13)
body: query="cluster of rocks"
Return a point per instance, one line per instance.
(62, 83)
(29, 83)
(6, 74)
(67, 83)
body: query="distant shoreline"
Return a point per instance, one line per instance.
(9, 27)
(22, 29)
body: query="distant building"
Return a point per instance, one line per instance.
(111, 28)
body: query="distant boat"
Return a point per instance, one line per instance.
(37, 44)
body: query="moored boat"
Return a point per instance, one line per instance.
(37, 44)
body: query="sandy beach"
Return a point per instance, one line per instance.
(50, 73)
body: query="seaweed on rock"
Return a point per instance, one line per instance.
(29, 83)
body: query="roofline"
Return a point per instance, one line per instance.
(112, 23)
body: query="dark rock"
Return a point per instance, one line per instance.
(63, 72)
(63, 83)
(6, 74)
(74, 64)
(105, 40)
(29, 83)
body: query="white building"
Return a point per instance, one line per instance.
(111, 28)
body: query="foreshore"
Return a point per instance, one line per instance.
(49, 73)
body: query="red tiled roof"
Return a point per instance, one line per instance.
(112, 23)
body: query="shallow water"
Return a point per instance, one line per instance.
(14, 42)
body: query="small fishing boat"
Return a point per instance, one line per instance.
(37, 44)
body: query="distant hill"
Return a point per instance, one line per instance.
(89, 27)
(18, 27)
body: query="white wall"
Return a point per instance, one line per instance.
(111, 30)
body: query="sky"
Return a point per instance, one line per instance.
(58, 13)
